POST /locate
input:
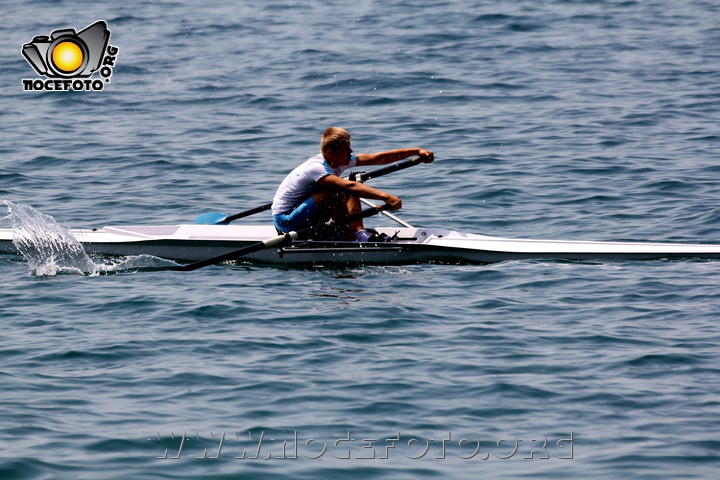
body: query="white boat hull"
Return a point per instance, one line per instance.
(413, 245)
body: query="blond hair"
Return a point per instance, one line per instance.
(333, 139)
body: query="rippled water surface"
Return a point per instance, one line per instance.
(594, 120)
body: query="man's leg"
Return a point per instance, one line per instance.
(352, 205)
(338, 204)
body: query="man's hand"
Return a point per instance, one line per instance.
(394, 202)
(426, 156)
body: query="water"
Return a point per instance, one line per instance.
(590, 120)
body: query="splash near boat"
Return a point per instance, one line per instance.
(48, 248)
(51, 249)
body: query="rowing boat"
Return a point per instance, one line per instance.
(410, 246)
(213, 240)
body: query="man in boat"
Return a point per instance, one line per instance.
(314, 192)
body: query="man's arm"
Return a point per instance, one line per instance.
(381, 158)
(360, 190)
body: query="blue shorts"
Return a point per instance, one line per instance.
(293, 221)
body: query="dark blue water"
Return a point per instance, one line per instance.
(591, 120)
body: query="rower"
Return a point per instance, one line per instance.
(314, 192)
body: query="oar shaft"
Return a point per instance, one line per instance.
(256, 247)
(247, 213)
(390, 169)
(387, 214)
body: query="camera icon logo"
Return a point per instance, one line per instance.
(67, 53)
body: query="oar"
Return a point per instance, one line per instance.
(280, 240)
(216, 218)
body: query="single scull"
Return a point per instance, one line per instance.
(410, 246)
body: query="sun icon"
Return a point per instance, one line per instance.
(67, 56)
